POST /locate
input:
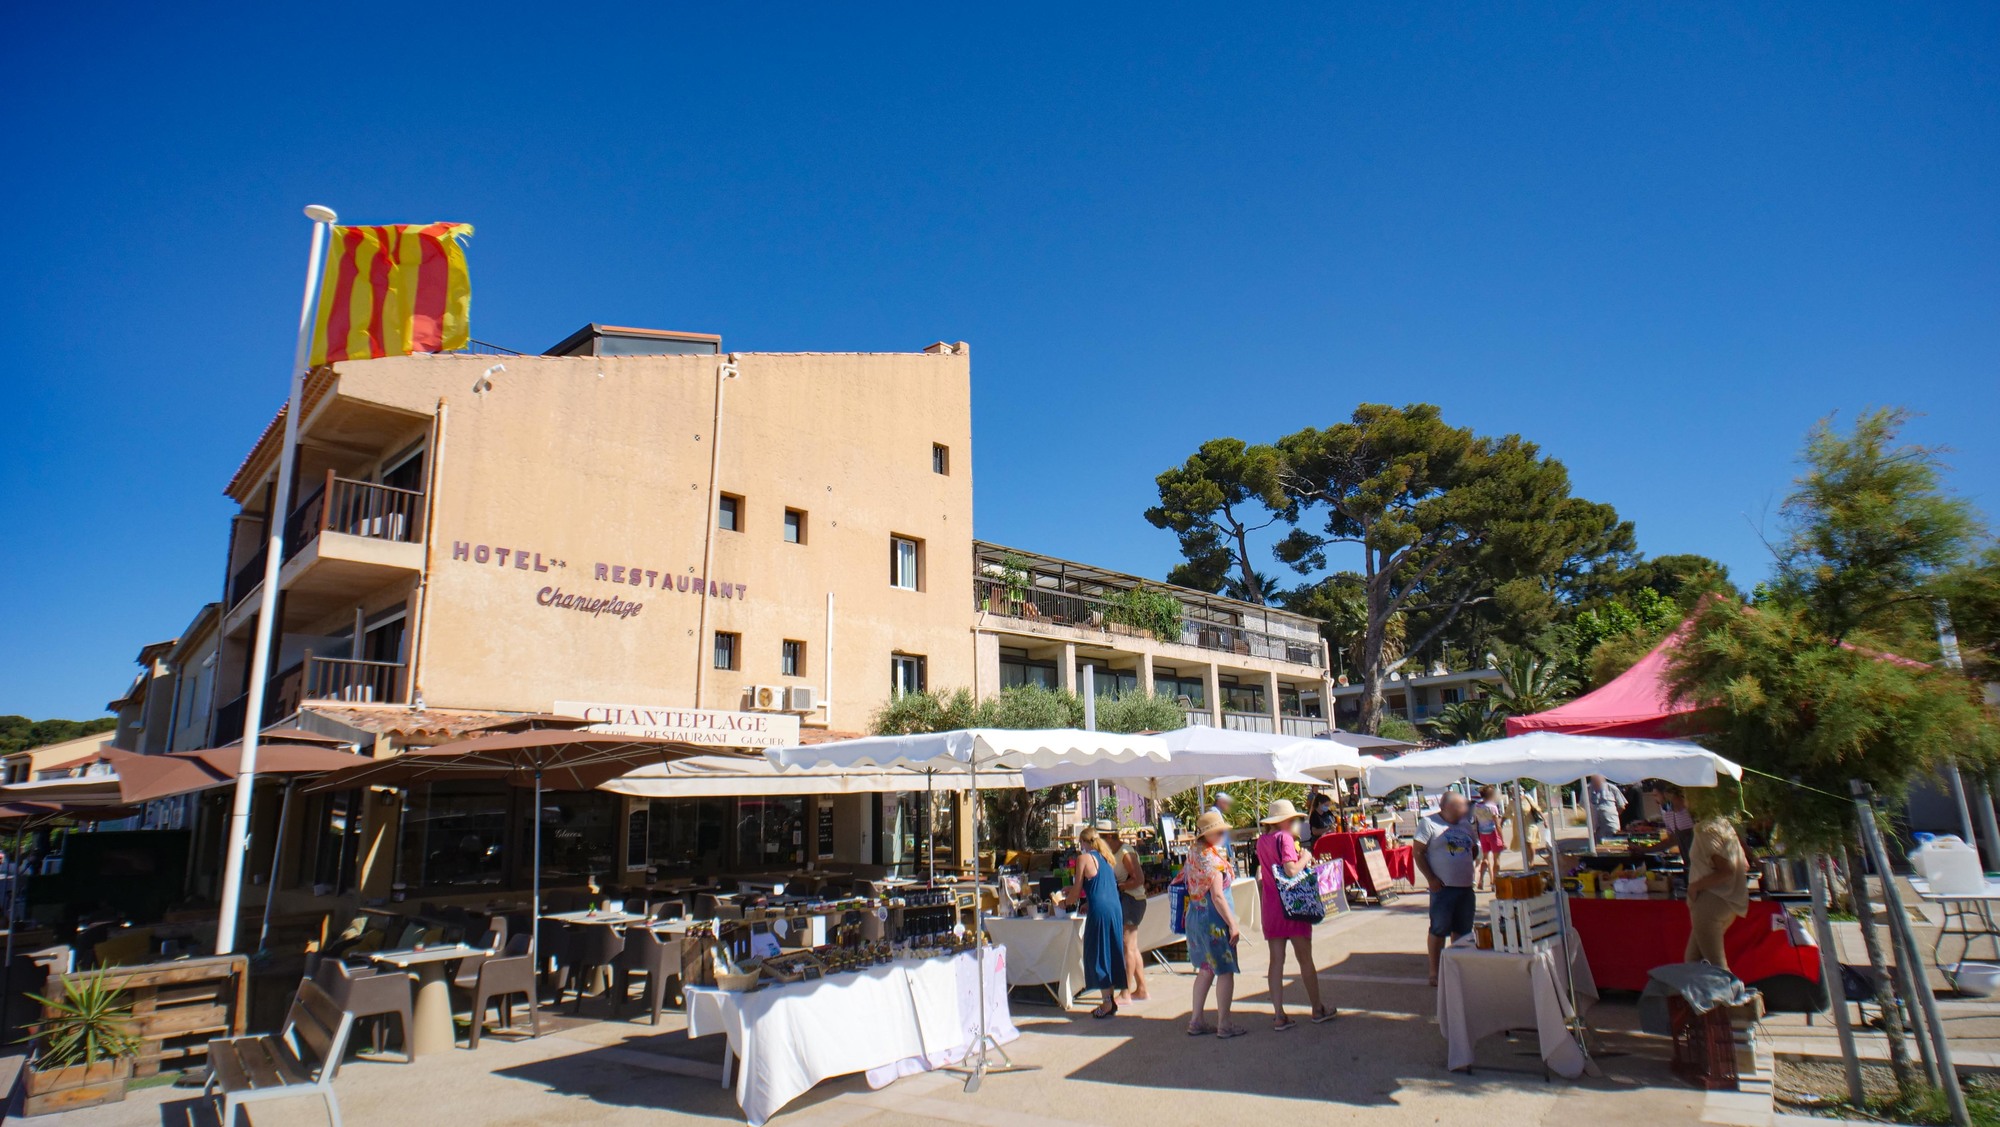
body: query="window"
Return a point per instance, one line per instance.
(729, 513)
(792, 660)
(905, 563)
(1448, 696)
(795, 526)
(725, 649)
(940, 458)
(906, 674)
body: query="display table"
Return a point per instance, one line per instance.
(431, 1028)
(1346, 846)
(1481, 993)
(1968, 918)
(1625, 939)
(887, 1021)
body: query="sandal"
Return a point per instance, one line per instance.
(1199, 1030)
(1279, 1025)
(1231, 1031)
(1108, 1009)
(1324, 1014)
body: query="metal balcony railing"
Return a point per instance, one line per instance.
(1067, 608)
(314, 679)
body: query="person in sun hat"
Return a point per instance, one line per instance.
(1212, 932)
(1278, 855)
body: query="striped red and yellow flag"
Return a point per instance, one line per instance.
(391, 291)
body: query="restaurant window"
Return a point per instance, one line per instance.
(906, 559)
(906, 674)
(770, 832)
(729, 513)
(795, 526)
(579, 835)
(792, 659)
(726, 645)
(689, 834)
(1190, 692)
(336, 836)
(455, 835)
(940, 458)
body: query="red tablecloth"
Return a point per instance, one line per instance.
(1625, 939)
(1401, 859)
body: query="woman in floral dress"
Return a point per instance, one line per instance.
(1211, 925)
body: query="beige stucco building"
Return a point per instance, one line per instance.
(642, 522)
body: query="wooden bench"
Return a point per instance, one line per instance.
(301, 1060)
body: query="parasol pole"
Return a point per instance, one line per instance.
(535, 905)
(236, 842)
(1577, 1029)
(930, 827)
(277, 852)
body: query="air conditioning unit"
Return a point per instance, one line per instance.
(767, 698)
(800, 699)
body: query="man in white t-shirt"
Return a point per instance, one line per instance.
(1447, 853)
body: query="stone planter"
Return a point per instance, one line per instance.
(80, 1085)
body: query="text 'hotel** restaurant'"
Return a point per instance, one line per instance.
(640, 531)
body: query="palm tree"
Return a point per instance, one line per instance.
(1529, 682)
(1468, 722)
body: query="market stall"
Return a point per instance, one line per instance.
(1048, 951)
(1625, 939)
(1353, 848)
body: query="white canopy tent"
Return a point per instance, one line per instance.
(729, 776)
(972, 751)
(1206, 756)
(1555, 759)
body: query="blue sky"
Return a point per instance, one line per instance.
(1658, 241)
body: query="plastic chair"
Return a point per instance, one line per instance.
(370, 995)
(489, 946)
(659, 959)
(498, 979)
(590, 948)
(667, 909)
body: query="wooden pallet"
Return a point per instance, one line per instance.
(177, 1007)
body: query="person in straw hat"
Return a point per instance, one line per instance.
(1278, 854)
(1212, 933)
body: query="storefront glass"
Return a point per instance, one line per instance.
(455, 835)
(689, 834)
(579, 835)
(770, 832)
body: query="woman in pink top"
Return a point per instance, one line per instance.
(1278, 852)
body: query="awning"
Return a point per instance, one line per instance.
(1549, 757)
(719, 776)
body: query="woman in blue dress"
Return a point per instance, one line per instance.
(1104, 926)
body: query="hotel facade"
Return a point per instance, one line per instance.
(639, 529)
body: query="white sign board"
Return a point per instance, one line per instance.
(713, 727)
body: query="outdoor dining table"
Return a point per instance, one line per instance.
(1480, 993)
(596, 919)
(432, 1030)
(887, 1021)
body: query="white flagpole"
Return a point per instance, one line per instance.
(236, 843)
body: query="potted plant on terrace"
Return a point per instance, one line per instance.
(84, 1048)
(1143, 610)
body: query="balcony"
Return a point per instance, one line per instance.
(315, 679)
(1303, 727)
(1207, 623)
(346, 539)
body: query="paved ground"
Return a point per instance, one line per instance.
(1382, 1060)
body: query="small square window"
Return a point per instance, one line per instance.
(906, 560)
(726, 647)
(940, 458)
(795, 526)
(792, 660)
(906, 674)
(729, 513)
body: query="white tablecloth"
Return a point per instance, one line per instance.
(1484, 992)
(887, 1021)
(1157, 929)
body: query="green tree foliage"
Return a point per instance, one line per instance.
(18, 733)
(1529, 682)
(1871, 529)
(1468, 722)
(1443, 518)
(1015, 817)
(1214, 502)
(1398, 728)
(1798, 685)
(1972, 591)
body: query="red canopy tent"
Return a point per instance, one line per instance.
(1635, 703)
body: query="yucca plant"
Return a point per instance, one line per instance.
(89, 1024)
